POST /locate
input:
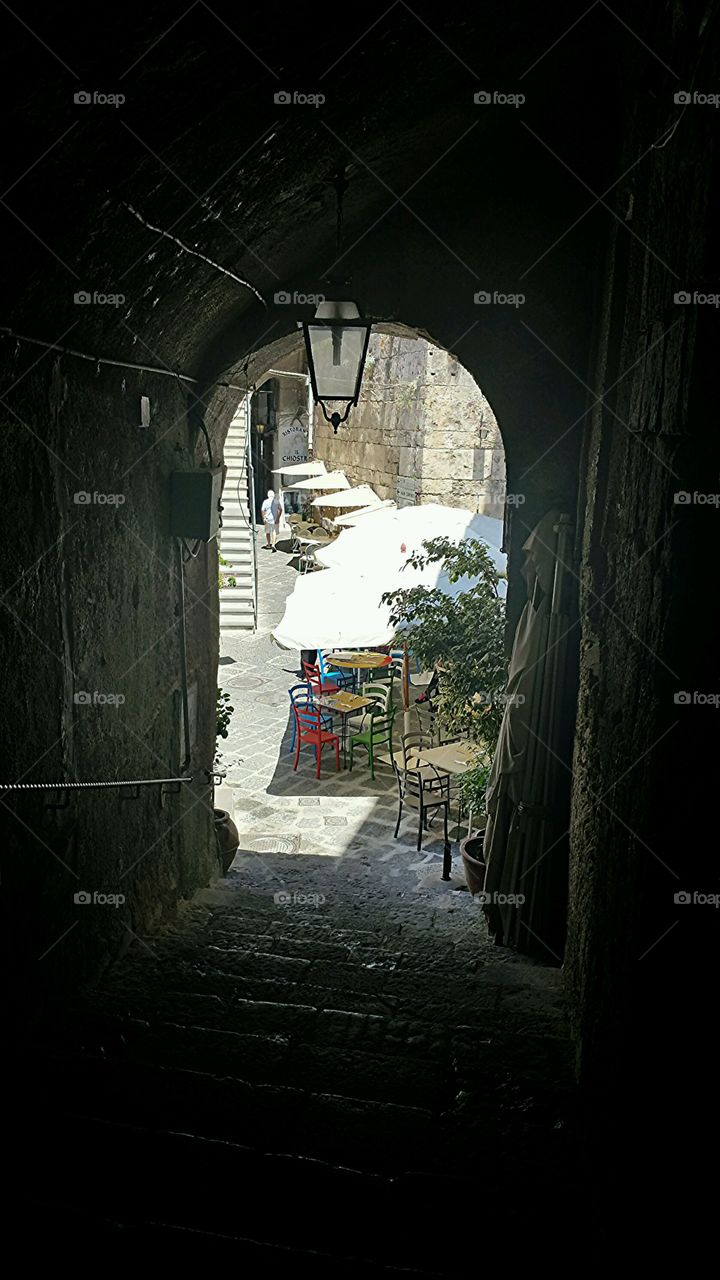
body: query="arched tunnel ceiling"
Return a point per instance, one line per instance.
(445, 197)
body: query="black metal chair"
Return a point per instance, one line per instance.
(413, 744)
(414, 793)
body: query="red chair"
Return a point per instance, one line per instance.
(318, 683)
(309, 728)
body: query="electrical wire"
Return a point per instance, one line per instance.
(195, 253)
(204, 430)
(192, 555)
(117, 364)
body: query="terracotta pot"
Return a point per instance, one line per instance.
(227, 838)
(471, 849)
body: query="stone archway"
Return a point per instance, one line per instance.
(443, 203)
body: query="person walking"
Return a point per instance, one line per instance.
(271, 512)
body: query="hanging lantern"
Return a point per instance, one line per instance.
(336, 340)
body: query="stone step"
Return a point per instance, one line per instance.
(240, 565)
(242, 573)
(328, 1048)
(273, 1117)
(236, 545)
(236, 601)
(279, 1202)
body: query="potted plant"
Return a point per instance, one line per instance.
(226, 833)
(472, 789)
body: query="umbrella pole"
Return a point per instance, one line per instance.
(406, 690)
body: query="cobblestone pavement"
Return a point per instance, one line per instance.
(323, 1067)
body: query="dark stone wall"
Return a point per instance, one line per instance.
(90, 606)
(644, 764)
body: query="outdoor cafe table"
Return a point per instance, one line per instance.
(363, 660)
(344, 704)
(307, 547)
(452, 758)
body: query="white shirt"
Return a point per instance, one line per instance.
(270, 510)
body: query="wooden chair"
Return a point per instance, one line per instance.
(343, 679)
(303, 693)
(377, 734)
(309, 729)
(380, 694)
(319, 684)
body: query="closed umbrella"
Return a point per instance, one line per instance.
(525, 842)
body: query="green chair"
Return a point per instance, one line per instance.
(378, 734)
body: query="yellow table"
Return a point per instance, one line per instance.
(452, 757)
(343, 704)
(361, 661)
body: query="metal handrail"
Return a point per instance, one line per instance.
(84, 786)
(250, 477)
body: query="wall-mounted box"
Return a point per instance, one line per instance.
(195, 503)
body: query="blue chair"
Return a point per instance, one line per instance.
(303, 693)
(343, 679)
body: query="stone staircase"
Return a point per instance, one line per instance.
(238, 604)
(303, 1092)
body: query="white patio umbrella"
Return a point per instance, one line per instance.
(383, 543)
(341, 608)
(328, 480)
(361, 496)
(355, 517)
(301, 469)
